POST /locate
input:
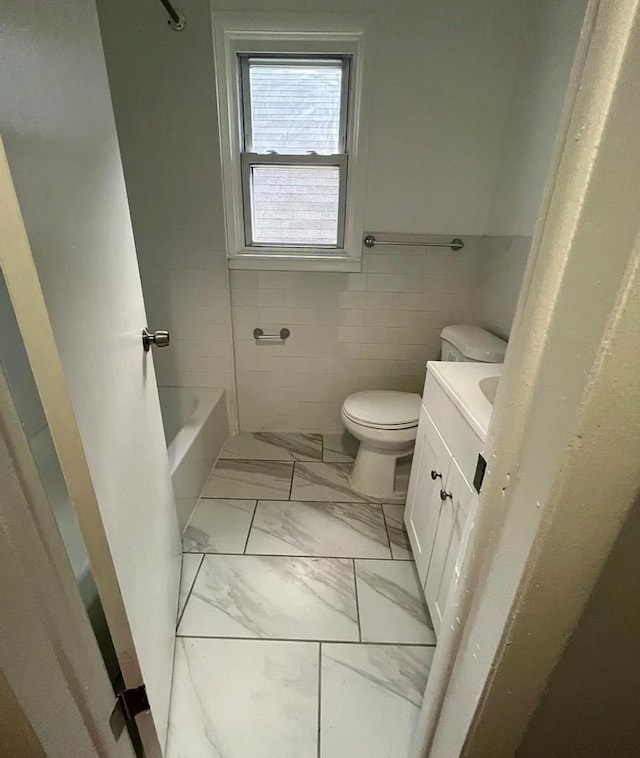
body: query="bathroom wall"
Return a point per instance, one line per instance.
(163, 91)
(349, 332)
(453, 137)
(527, 151)
(443, 76)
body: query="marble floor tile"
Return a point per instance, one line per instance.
(190, 565)
(272, 446)
(218, 526)
(339, 448)
(241, 698)
(259, 480)
(392, 606)
(325, 481)
(273, 597)
(394, 517)
(326, 529)
(371, 698)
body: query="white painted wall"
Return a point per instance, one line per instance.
(443, 76)
(529, 135)
(163, 90)
(528, 142)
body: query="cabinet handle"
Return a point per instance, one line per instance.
(435, 475)
(444, 495)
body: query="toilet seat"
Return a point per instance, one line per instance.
(383, 409)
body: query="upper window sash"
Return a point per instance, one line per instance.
(290, 59)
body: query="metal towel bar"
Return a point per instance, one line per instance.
(455, 244)
(176, 19)
(260, 336)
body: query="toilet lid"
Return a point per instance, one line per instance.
(384, 409)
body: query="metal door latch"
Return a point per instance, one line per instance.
(159, 339)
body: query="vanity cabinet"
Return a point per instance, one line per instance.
(454, 511)
(440, 498)
(429, 472)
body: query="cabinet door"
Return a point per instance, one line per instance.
(428, 474)
(448, 539)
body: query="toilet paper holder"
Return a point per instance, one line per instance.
(281, 338)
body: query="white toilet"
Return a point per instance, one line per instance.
(386, 422)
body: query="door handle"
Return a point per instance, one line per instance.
(159, 339)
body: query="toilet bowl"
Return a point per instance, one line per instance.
(386, 424)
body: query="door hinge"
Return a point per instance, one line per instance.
(478, 477)
(129, 704)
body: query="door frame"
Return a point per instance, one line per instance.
(559, 486)
(53, 678)
(23, 285)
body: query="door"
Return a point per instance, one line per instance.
(456, 498)
(68, 257)
(428, 472)
(55, 696)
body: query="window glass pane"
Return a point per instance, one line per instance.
(295, 205)
(295, 108)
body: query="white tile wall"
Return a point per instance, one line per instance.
(192, 301)
(349, 332)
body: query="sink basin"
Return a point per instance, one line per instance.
(471, 386)
(489, 387)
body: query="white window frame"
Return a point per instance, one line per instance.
(244, 34)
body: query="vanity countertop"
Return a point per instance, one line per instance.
(461, 382)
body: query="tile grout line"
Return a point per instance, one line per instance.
(304, 555)
(293, 473)
(246, 542)
(195, 576)
(306, 640)
(355, 588)
(386, 529)
(319, 737)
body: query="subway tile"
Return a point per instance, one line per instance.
(311, 298)
(381, 263)
(347, 349)
(398, 352)
(356, 282)
(361, 334)
(410, 368)
(421, 302)
(396, 318)
(413, 335)
(250, 297)
(245, 315)
(274, 280)
(243, 279)
(393, 283)
(365, 300)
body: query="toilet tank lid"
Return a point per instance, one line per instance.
(475, 343)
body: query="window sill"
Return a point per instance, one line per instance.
(271, 262)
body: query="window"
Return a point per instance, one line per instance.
(294, 157)
(291, 129)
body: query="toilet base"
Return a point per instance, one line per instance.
(374, 471)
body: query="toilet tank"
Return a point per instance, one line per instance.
(464, 342)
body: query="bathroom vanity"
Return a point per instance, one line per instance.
(456, 407)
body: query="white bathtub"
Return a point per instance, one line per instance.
(196, 427)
